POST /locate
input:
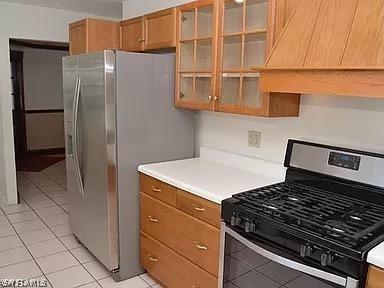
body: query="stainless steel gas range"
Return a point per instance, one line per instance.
(312, 231)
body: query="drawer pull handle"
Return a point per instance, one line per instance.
(201, 247)
(152, 219)
(197, 208)
(154, 189)
(153, 259)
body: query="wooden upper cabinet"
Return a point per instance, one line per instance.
(131, 35)
(91, 35)
(149, 32)
(196, 55)
(329, 47)
(160, 29)
(220, 45)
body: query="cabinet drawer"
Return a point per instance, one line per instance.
(200, 208)
(190, 237)
(375, 277)
(170, 268)
(158, 189)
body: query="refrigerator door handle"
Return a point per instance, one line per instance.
(75, 133)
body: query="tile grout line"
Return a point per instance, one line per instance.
(49, 228)
(45, 193)
(81, 264)
(34, 260)
(58, 238)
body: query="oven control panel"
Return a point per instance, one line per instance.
(343, 160)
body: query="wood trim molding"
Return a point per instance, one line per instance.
(38, 45)
(49, 151)
(348, 83)
(44, 111)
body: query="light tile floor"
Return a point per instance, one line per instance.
(36, 241)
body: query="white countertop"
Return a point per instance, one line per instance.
(376, 256)
(216, 175)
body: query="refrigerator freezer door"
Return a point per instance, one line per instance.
(93, 209)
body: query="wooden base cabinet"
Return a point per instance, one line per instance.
(375, 277)
(179, 241)
(170, 268)
(92, 35)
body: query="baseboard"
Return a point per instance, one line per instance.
(50, 151)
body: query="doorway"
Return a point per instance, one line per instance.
(18, 112)
(38, 115)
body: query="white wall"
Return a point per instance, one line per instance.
(25, 22)
(134, 8)
(43, 80)
(43, 90)
(354, 122)
(349, 121)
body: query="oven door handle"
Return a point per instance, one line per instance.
(345, 282)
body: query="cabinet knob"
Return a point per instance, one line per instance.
(153, 259)
(201, 247)
(139, 39)
(153, 219)
(216, 98)
(154, 189)
(210, 97)
(197, 208)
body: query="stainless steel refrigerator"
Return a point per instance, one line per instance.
(119, 113)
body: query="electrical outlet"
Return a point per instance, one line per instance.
(254, 139)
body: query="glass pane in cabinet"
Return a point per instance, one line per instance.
(203, 88)
(203, 55)
(251, 92)
(256, 15)
(186, 56)
(233, 17)
(204, 22)
(186, 87)
(254, 50)
(230, 89)
(232, 53)
(187, 25)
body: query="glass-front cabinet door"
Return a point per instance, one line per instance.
(242, 48)
(196, 55)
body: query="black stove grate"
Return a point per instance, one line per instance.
(334, 216)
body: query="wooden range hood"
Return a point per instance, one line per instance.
(329, 47)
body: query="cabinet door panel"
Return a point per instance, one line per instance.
(160, 29)
(375, 277)
(170, 268)
(190, 237)
(131, 35)
(196, 55)
(78, 37)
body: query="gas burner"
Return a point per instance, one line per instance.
(271, 207)
(337, 226)
(342, 218)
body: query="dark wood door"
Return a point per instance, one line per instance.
(18, 103)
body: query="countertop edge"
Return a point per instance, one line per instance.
(181, 185)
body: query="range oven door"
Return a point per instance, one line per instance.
(253, 264)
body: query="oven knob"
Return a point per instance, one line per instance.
(235, 220)
(249, 227)
(306, 250)
(327, 258)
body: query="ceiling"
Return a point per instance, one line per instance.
(107, 8)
